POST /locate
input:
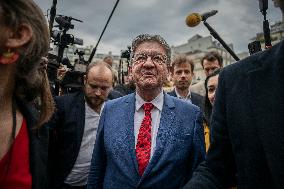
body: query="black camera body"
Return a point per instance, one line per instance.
(254, 47)
(73, 78)
(126, 53)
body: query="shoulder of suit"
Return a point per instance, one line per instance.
(196, 95)
(182, 105)
(256, 60)
(171, 93)
(70, 99)
(198, 84)
(118, 101)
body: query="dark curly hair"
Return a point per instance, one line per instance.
(212, 56)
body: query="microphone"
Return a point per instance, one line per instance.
(194, 19)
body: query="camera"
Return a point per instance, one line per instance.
(254, 47)
(126, 53)
(58, 37)
(73, 79)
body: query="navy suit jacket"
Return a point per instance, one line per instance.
(66, 133)
(38, 146)
(196, 99)
(179, 147)
(247, 131)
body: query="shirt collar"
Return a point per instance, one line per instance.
(157, 102)
(188, 96)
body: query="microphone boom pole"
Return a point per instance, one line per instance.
(216, 36)
(52, 15)
(95, 48)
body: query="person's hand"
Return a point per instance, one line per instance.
(61, 72)
(43, 63)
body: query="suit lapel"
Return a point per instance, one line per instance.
(166, 124)
(173, 93)
(80, 121)
(129, 110)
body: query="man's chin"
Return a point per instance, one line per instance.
(94, 102)
(182, 87)
(148, 86)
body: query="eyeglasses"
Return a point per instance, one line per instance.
(155, 58)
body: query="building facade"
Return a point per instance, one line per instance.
(276, 34)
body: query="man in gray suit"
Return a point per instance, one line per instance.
(147, 139)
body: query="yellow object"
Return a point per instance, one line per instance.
(8, 54)
(206, 136)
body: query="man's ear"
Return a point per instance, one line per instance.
(20, 37)
(130, 69)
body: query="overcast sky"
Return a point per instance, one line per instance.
(236, 22)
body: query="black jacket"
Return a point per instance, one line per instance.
(66, 133)
(38, 140)
(247, 127)
(196, 99)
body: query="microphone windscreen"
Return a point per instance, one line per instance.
(193, 19)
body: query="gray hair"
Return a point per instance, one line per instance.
(147, 37)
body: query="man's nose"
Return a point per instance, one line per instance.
(98, 91)
(149, 62)
(183, 74)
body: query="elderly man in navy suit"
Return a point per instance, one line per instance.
(147, 139)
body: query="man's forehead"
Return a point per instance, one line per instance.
(210, 63)
(183, 65)
(99, 71)
(100, 76)
(100, 82)
(150, 47)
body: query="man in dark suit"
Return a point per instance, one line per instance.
(247, 134)
(147, 139)
(74, 127)
(210, 62)
(182, 73)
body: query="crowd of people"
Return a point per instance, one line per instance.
(224, 132)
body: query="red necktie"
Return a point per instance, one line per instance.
(143, 146)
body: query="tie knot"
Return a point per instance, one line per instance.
(148, 107)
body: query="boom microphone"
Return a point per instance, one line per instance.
(194, 19)
(52, 15)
